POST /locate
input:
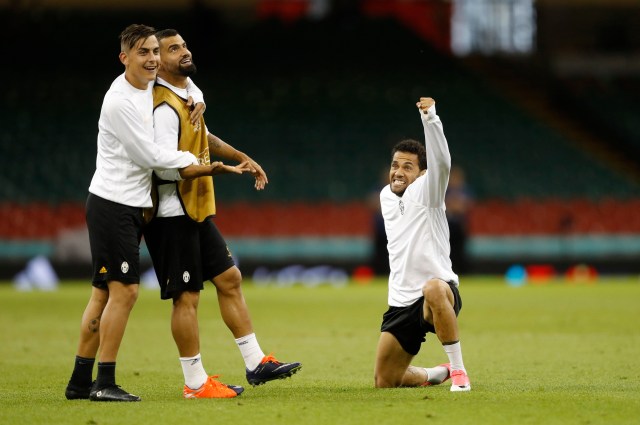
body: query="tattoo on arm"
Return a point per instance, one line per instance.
(214, 143)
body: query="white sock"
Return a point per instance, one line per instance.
(436, 374)
(194, 373)
(454, 352)
(250, 350)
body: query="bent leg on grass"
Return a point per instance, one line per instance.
(393, 365)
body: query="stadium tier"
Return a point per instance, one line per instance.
(321, 113)
(263, 233)
(40, 220)
(610, 102)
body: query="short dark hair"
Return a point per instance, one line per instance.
(134, 33)
(412, 146)
(169, 32)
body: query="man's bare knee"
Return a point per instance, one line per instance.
(123, 294)
(436, 292)
(186, 299)
(382, 383)
(229, 281)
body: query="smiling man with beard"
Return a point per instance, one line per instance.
(423, 289)
(185, 244)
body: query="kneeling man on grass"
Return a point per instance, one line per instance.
(423, 289)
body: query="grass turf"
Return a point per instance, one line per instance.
(552, 354)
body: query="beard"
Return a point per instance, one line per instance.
(188, 70)
(398, 192)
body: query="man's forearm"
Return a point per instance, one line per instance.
(222, 149)
(193, 171)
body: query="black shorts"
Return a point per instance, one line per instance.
(185, 253)
(407, 324)
(115, 231)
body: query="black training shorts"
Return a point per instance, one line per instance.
(185, 253)
(115, 231)
(407, 324)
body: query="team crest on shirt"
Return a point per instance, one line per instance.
(401, 205)
(196, 127)
(186, 277)
(124, 267)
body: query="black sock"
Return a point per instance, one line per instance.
(82, 372)
(106, 375)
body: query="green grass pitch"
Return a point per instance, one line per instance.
(537, 354)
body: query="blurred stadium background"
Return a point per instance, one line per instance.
(539, 100)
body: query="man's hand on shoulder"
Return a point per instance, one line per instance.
(197, 110)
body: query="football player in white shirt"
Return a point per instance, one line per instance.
(120, 188)
(423, 289)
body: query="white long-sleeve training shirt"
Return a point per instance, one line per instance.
(127, 152)
(416, 224)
